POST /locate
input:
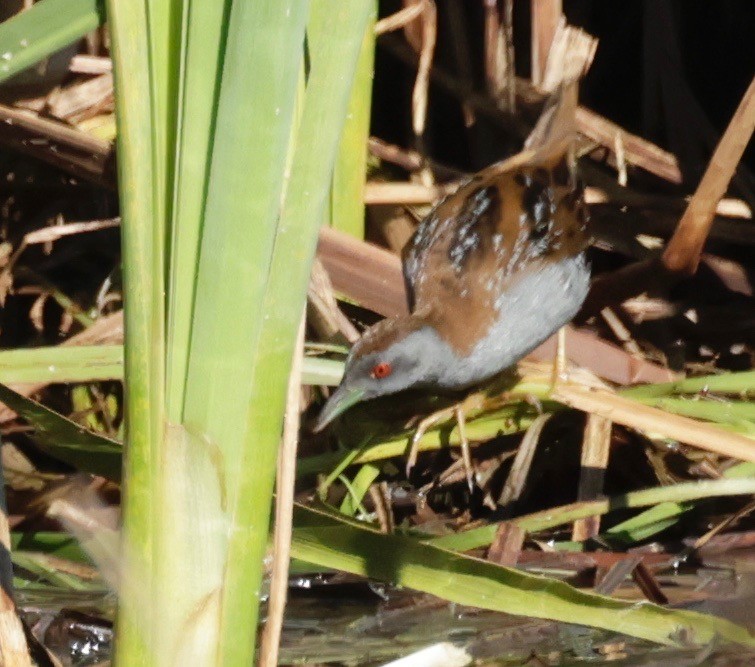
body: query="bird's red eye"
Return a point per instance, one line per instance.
(381, 370)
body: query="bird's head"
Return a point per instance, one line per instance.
(392, 355)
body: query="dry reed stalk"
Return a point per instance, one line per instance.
(323, 313)
(407, 194)
(495, 50)
(682, 254)
(652, 420)
(406, 158)
(56, 232)
(363, 272)
(507, 544)
(81, 99)
(596, 447)
(284, 510)
(85, 64)
(13, 649)
(58, 144)
(422, 82)
(399, 19)
(637, 151)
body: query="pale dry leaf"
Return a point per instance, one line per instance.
(20, 473)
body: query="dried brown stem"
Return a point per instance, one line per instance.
(400, 19)
(284, 510)
(404, 193)
(522, 462)
(84, 64)
(422, 82)
(405, 158)
(507, 544)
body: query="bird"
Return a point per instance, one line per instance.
(491, 272)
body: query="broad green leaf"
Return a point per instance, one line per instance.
(285, 284)
(321, 539)
(203, 32)
(349, 174)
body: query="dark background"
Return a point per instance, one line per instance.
(672, 71)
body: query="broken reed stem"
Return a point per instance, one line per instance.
(596, 447)
(520, 467)
(645, 418)
(682, 254)
(284, 510)
(507, 544)
(495, 55)
(545, 17)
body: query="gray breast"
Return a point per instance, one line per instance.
(528, 313)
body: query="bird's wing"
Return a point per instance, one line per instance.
(499, 224)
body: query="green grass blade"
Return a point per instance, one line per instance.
(505, 421)
(143, 238)
(87, 363)
(647, 523)
(720, 411)
(724, 383)
(39, 565)
(324, 541)
(678, 493)
(46, 27)
(357, 489)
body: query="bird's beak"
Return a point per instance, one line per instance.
(337, 404)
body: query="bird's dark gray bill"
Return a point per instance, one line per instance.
(337, 404)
